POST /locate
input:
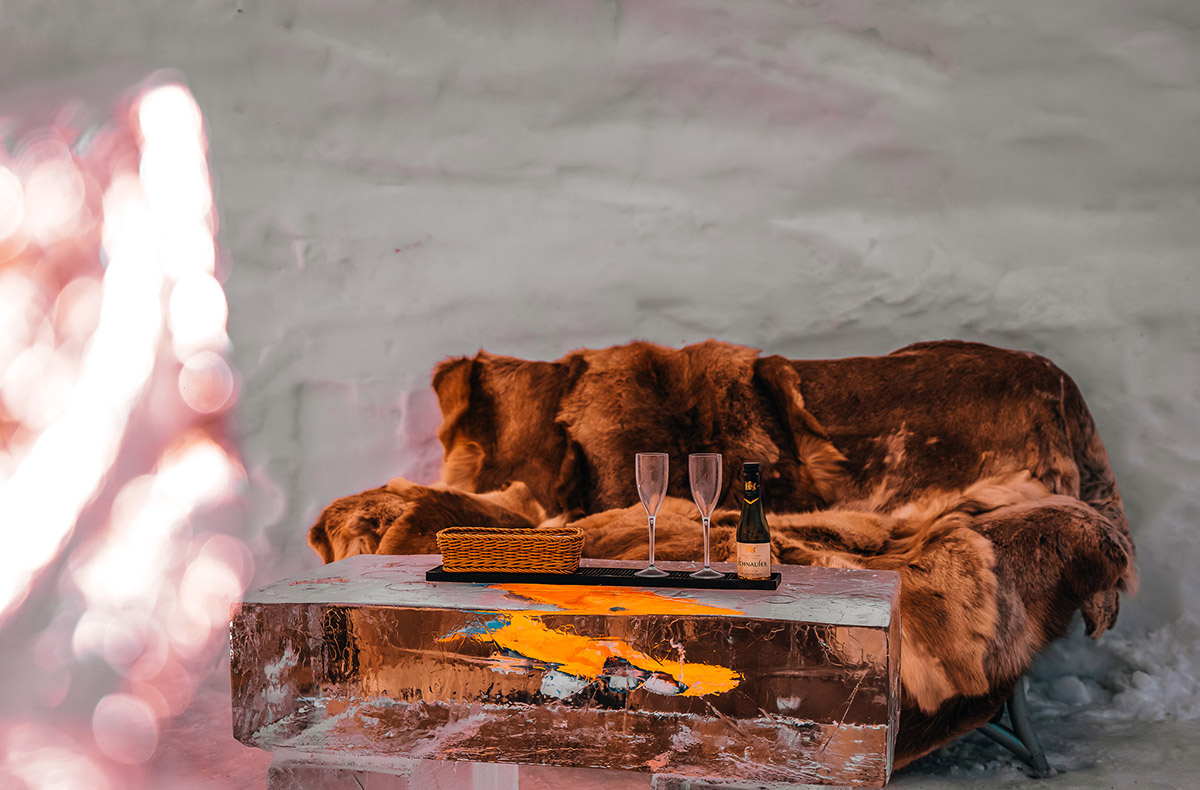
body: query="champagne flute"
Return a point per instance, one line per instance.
(704, 473)
(651, 471)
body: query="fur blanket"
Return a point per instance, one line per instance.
(975, 472)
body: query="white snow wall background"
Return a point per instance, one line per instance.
(399, 182)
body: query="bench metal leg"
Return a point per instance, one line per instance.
(1020, 739)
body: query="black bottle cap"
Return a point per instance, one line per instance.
(750, 466)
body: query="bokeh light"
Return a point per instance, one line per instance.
(112, 463)
(12, 204)
(54, 195)
(125, 728)
(47, 760)
(206, 382)
(197, 315)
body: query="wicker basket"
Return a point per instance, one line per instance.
(509, 550)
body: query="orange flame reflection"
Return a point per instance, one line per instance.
(525, 634)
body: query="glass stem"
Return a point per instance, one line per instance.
(705, 542)
(652, 541)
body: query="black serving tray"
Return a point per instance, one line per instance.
(618, 577)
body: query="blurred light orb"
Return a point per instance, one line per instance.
(131, 501)
(12, 203)
(189, 629)
(37, 385)
(20, 387)
(20, 315)
(124, 643)
(173, 168)
(195, 471)
(77, 309)
(124, 573)
(126, 340)
(234, 554)
(176, 181)
(46, 760)
(88, 636)
(187, 248)
(208, 587)
(125, 729)
(153, 658)
(127, 219)
(54, 196)
(197, 315)
(19, 304)
(206, 382)
(169, 112)
(172, 685)
(152, 697)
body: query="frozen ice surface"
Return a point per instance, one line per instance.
(362, 657)
(821, 595)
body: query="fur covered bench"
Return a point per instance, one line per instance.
(975, 472)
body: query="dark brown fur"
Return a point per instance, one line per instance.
(404, 518)
(498, 425)
(353, 525)
(874, 432)
(564, 427)
(703, 398)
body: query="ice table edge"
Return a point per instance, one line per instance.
(811, 594)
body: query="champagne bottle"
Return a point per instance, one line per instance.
(753, 534)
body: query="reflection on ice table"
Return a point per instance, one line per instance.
(363, 665)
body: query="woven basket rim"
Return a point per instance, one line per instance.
(511, 531)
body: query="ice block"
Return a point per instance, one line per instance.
(363, 657)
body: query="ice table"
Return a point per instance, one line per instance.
(361, 666)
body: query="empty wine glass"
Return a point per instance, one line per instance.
(704, 473)
(651, 471)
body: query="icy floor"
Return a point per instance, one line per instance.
(1088, 749)
(1087, 753)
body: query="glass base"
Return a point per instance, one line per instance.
(650, 573)
(707, 573)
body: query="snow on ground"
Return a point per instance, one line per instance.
(398, 182)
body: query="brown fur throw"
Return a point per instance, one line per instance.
(974, 472)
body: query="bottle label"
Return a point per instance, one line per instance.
(754, 560)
